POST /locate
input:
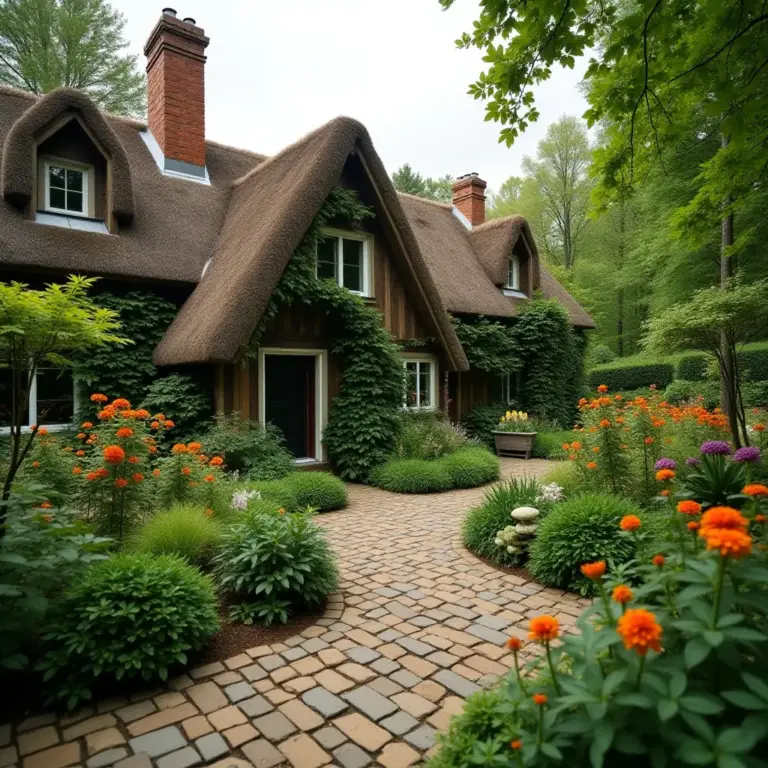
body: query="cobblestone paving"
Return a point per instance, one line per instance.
(419, 625)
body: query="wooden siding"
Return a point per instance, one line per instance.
(470, 388)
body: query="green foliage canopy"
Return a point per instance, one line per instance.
(405, 179)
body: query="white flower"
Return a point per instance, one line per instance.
(240, 499)
(551, 492)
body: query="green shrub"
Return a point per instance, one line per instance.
(320, 490)
(755, 394)
(248, 447)
(549, 445)
(620, 376)
(428, 436)
(276, 564)
(754, 362)
(183, 530)
(471, 467)
(599, 354)
(183, 400)
(580, 530)
(567, 476)
(134, 615)
(693, 367)
(277, 492)
(482, 420)
(686, 391)
(480, 526)
(413, 476)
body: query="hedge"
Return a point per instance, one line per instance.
(692, 367)
(623, 377)
(754, 364)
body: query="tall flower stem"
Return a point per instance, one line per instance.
(540, 736)
(719, 578)
(555, 683)
(640, 668)
(606, 602)
(518, 675)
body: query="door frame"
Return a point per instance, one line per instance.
(321, 391)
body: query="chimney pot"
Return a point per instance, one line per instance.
(468, 196)
(189, 20)
(169, 11)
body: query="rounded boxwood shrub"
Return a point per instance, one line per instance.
(478, 532)
(471, 467)
(276, 562)
(413, 476)
(183, 530)
(320, 490)
(134, 615)
(580, 530)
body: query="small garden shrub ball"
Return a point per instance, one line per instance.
(318, 490)
(581, 530)
(471, 467)
(132, 616)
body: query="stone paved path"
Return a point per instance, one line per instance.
(419, 625)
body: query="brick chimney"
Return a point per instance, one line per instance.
(175, 54)
(469, 197)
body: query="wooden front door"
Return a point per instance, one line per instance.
(289, 400)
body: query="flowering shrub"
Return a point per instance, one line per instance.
(672, 671)
(515, 421)
(428, 436)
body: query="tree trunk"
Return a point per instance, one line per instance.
(728, 382)
(620, 322)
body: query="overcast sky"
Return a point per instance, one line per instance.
(277, 70)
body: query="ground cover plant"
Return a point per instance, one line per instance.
(668, 666)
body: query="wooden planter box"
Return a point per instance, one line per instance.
(518, 445)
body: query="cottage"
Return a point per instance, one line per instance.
(158, 205)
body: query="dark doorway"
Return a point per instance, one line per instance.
(289, 400)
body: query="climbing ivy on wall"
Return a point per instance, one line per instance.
(489, 345)
(362, 423)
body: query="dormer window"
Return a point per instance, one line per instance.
(513, 273)
(66, 188)
(345, 258)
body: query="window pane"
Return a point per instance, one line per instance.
(55, 396)
(56, 177)
(425, 390)
(326, 258)
(57, 198)
(75, 181)
(411, 372)
(352, 277)
(513, 277)
(6, 399)
(75, 201)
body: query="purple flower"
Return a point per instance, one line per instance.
(716, 448)
(666, 464)
(692, 461)
(749, 454)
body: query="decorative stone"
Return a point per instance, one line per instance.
(524, 514)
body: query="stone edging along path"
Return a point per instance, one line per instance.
(419, 625)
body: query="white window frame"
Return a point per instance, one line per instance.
(513, 267)
(367, 241)
(68, 166)
(32, 409)
(433, 378)
(506, 388)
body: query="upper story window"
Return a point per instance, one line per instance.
(66, 188)
(345, 257)
(421, 383)
(513, 273)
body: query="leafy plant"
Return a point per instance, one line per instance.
(183, 530)
(482, 524)
(318, 490)
(581, 530)
(132, 616)
(43, 548)
(549, 445)
(471, 467)
(490, 345)
(481, 420)
(428, 436)
(413, 476)
(276, 562)
(515, 421)
(256, 450)
(183, 400)
(715, 480)
(620, 376)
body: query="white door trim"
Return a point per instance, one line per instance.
(321, 390)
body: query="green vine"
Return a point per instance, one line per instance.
(490, 345)
(362, 423)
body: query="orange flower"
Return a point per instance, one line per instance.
(46, 518)
(209, 479)
(630, 523)
(594, 571)
(664, 492)
(514, 644)
(516, 744)
(540, 699)
(107, 413)
(694, 525)
(576, 445)
(665, 474)
(124, 432)
(622, 594)
(152, 449)
(97, 397)
(156, 472)
(168, 424)
(137, 477)
(208, 512)
(154, 425)
(141, 414)
(723, 518)
(80, 453)
(543, 628)
(640, 630)
(648, 441)
(133, 459)
(81, 436)
(596, 449)
(77, 470)
(33, 428)
(759, 518)
(755, 489)
(185, 470)
(658, 561)
(216, 461)
(114, 454)
(179, 448)
(602, 388)
(102, 472)
(86, 425)
(604, 423)
(46, 505)
(69, 449)
(689, 507)
(194, 447)
(591, 465)
(121, 482)
(35, 464)
(730, 542)
(759, 427)
(281, 511)
(42, 431)
(565, 446)
(159, 416)
(121, 402)
(91, 476)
